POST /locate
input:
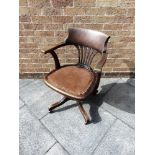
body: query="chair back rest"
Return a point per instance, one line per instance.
(88, 38)
(88, 43)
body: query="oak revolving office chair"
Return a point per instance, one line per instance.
(78, 81)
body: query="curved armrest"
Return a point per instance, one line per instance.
(100, 64)
(51, 50)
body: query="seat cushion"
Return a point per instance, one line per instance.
(72, 81)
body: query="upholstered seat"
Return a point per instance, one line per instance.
(79, 80)
(72, 81)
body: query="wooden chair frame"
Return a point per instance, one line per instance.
(88, 44)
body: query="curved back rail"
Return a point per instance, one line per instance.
(88, 43)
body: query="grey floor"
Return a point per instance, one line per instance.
(111, 131)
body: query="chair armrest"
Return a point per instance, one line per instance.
(45, 51)
(51, 50)
(98, 67)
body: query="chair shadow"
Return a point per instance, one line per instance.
(119, 95)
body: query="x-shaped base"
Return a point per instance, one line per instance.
(65, 99)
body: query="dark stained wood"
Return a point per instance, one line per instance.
(57, 104)
(88, 44)
(88, 38)
(52, 52)
(86, 54)
(84, 113)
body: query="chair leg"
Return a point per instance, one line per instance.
(57, 104)
(95, 92)
(84, 113)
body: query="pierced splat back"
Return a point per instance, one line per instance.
(88, 42)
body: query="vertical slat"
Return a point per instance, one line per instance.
(86, 54)
(82, 54)
(89, 54)
(92, 56)
(79, 51)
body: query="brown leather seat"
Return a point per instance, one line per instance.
(72, 81)
(80, 80)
